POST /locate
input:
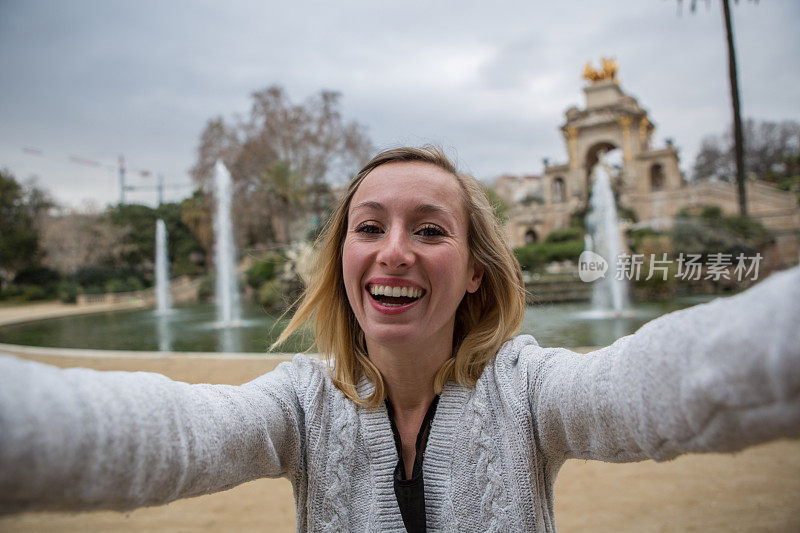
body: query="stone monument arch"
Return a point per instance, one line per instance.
(650, 183)
(592, 156)
(610, 120)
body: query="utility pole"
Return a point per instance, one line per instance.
(121, 179)
(160, 187)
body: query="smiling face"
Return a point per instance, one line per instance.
(405, 260)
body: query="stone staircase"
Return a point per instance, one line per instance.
(558, 288)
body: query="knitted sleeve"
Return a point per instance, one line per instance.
(713, 378)
(78, 439)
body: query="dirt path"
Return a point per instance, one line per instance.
(756, 490)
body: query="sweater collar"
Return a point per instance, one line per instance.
(438, 455)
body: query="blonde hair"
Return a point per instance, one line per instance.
(484, 319)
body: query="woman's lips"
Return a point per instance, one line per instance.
(394, 282)
(392, 296)
(391, 309)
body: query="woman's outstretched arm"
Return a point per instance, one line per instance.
(715, 377)
(78, 439)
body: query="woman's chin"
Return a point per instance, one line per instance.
(394, 336)
(412, 336)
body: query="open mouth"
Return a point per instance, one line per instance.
(394, 296)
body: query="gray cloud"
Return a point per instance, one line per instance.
(99, 78)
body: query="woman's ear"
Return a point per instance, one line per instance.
(477, 276)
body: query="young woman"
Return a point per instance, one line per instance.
(428, 413)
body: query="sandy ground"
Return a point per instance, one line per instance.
(756, 490)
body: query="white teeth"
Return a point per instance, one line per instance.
(387, 290)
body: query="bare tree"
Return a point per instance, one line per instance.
(75, 240)
(282, 158)
(196, 215)
(712, 160)
(769, 145)
(217, 142)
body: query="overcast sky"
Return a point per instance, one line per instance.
(488, 80)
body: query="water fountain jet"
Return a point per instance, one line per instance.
(227, 287)
(609, 294)
(163, 296)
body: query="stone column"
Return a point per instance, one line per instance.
(627, 149)
(643, 125)
(572, 136)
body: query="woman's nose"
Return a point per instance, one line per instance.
(395, 250)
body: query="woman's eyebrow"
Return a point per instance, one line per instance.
(419, 209)
(424, 209)
(369, 204)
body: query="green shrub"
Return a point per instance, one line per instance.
(711, 212)
(68, 292)
(270, 295)
(25, 293)
(207, 287)
(536, 255)
(531, 199)
(100, 279)
(128, 284)
(708, 230)
(566, 234)
(37, 276)
(638, 238)
(35, 283)
(94, 276)
(265, 269)
(34, 292)
(788, 183)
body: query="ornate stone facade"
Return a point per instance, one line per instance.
(650, 182)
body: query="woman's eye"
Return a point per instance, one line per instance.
(430, 231)
(368, 228)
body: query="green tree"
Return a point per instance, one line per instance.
(138, 223)
(20, 207)
(186, 254)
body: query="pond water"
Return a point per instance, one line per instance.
(192, 328)
(575, 324)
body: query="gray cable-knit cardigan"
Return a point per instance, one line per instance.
(716, 377)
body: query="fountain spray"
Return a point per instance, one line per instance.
(163, 296)
(227, 297)
(609, 295)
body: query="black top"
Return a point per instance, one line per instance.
(410, 493)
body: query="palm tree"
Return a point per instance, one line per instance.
(738, 141)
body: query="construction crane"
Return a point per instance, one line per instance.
(122, 170)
